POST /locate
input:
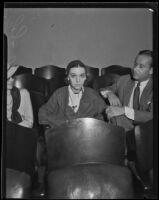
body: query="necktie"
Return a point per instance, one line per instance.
(136, 97)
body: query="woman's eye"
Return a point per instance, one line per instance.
(83, 76)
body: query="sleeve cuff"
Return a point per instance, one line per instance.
(129, 112)
(105, 93)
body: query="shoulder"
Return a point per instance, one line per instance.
(60, 91)
(91, 92)
(124, 80)
(126, 77)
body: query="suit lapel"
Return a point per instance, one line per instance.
(146, 92)
(128, 91)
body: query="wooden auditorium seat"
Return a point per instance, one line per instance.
(54, 75)
(18, 184)
(49, 71)
(92, 73)
(116, 69)
(86, 160)
(20, 158)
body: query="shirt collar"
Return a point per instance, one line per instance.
(71, 91)
(143, 83)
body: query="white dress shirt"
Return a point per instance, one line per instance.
(74, 99)
(25, 108)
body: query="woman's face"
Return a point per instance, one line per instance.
(10, 82)
(77, 77)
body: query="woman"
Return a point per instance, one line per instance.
(72, 101)
(19, 107)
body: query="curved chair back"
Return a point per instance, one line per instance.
(23, 70)
(91, 181)
(92, 73)
(50, 71)
(18, 184)
(105, 80)
(116, 69)
(31, 82)
(21, 144)
(85, 140)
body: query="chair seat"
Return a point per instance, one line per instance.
(90, 181)
(17, 184)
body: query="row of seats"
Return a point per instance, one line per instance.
(90, 167)
(51, 71)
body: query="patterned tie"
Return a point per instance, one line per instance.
(136, 97)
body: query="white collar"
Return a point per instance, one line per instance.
(143, 83)
(72, 93)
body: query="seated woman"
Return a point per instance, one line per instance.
(72, 101)
(19, 107)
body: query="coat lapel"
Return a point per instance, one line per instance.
(128, 91)
(146, 94)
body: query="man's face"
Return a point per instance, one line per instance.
(77, 77)
(142, 68)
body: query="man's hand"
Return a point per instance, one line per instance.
(113, 111)
(113, 99)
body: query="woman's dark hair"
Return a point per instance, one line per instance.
(75, 63)
(147, 53)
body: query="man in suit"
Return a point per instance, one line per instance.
(131, 97)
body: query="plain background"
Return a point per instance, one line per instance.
(97, 36)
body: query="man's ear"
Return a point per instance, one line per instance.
(151, 71)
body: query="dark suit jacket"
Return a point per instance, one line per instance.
(123, 89)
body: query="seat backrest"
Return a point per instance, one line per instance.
(31, 83)
(105, 80)
(21, 144)
(91, 181)
(18, 184)
(50, 71)
(85, 140)
(115, 69)
(92, 73)
(144, 145)
(24, 70)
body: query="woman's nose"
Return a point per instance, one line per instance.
(77, 79)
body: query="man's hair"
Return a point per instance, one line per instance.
(147, 53)
(75, 63)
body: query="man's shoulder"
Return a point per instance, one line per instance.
(126, 77)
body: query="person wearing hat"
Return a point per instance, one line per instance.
(19, 106)
(72, 101)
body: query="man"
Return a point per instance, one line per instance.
(131, 97)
